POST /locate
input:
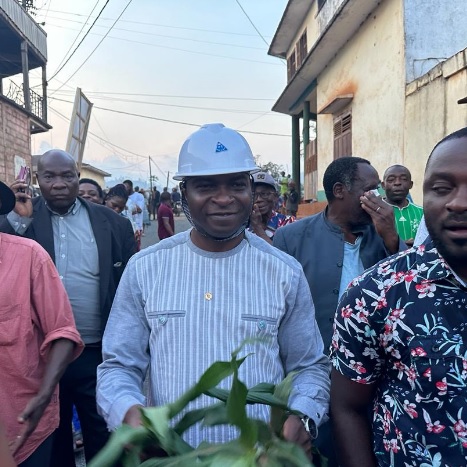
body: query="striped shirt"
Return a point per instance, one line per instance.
(407, 220)
(178, 309)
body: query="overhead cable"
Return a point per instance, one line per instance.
(60, 67)
(100, 42)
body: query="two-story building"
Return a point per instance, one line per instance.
(23, 111)
(379, 79)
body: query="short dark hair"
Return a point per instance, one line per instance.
(165, 196)
(117, 191)
(128, 182)
(400, 166)
(92, 182)
(462, 133)
(342, 170)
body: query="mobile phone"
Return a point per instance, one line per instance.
(375, 192)
(25, 175)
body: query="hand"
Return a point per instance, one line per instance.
(256, 219)
(23, 206)
(30, 418)
(133, 416)
(382, 215)
(294, 431)
(409, 242)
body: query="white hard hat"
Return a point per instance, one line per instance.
(214, 150)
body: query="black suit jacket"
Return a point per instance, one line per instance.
(114, 238)
(318, 245)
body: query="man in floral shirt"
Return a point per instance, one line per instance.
(400, 340)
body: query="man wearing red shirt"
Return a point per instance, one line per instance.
(165, 217)
(38, 338)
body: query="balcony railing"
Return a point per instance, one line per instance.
(16, 94)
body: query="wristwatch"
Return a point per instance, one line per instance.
(310, 426)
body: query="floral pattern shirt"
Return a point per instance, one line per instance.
(403, 326)
(277, 220)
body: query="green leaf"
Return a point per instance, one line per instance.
(115, 447)
(288, 454)
(216, 416)
(237, 413)
(198, 415)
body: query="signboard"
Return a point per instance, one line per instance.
(79, 124)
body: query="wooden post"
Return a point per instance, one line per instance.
(44, 94)
(25, 66)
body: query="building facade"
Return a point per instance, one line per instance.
(23, 111)
(360, 81)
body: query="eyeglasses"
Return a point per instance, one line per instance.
(264, 194)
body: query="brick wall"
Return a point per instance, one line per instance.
(15, 140)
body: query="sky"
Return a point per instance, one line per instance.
(179, 60)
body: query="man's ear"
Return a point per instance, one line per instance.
(411, 185)
(339, 190)
(384, 187)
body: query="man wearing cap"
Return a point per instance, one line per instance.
(222, 295)
(264, 220)
(38, 339)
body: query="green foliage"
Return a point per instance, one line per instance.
(258, 444)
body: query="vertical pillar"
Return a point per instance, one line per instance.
(296, 151)
(44, 93)
(306, 126)
(25, 66)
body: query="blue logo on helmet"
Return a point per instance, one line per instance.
(220, 147)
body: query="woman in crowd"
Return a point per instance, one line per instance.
(90, 190)
(117, 198)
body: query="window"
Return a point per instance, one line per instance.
(297, 56)
(291, 66)
(301, 49)
(343, 135)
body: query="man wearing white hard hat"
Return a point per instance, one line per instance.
(193, 298)
(264, 220)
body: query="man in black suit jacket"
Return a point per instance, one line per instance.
(354, 232)
(90, 246)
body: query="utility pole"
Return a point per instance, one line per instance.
(167, 184)
(150, 174)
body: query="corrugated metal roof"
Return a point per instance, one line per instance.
(25, 25)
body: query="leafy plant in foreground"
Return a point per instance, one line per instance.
(258, 443)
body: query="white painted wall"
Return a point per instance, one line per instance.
(434, 31)
(371, 67)
(432, 112)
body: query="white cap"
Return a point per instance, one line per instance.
(264, 177)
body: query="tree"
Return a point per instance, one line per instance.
(274, 169)
(28, 5)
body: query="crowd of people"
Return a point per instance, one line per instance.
(364, 303)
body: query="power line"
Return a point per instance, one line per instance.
(90, 93)
(251, 22)
(162, 25)
(99, 140)
(157, 35)
(165, 47)
(100, 42)
(76, 38)
(132, 101)
(149, 117)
